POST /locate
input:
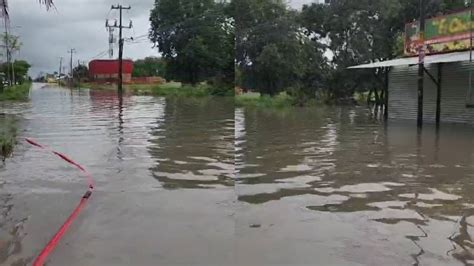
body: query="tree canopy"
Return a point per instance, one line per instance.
(272, 53)
(149, 67)
(269, 47)
(195, 38)
(81, 72)
(280, 49)
(20, 68)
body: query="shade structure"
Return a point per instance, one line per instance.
(430, 59)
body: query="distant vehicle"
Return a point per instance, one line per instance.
(61, 77)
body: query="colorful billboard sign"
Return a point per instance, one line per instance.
(447, 33)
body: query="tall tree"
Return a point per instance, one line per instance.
(148, 67)
(80, 72)
(20, 67)
(363, 31)
(272, 54)
(195, 38)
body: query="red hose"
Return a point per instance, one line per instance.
(48, 249)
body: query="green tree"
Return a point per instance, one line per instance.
(363, 31)
(149, 67)
(81, 72)
(272, 54)
(20, 68)
(195, 38)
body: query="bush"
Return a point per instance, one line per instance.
(16, 93)
(179, 90)
(281, 100)
(361, 97)
(7, 137)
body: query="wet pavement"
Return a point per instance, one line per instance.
(198, 182)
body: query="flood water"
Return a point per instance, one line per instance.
(333, 187)
(199, 182)
(164, 172)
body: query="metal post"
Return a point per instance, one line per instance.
(385, 113)
(469, 94)
(421, 73)
(7, 47)
(438, 96)
(60, 69)
(13, 69)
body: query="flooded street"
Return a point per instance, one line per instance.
(331, 187)
(164, 173)
(198, 182)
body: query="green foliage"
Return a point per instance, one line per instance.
(20, 68)
(361, 97)
(363, 31)
(81, 72)
(7, 137)
(255, 100)
(176, 89)
(281, 100)
(195, 38)
(272, 54)
(265, 46)
(16, 93)
(149, 67)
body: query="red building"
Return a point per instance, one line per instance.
(107, 70)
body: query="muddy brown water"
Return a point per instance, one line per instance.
(199, 182)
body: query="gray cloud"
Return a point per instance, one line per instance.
(79, 24)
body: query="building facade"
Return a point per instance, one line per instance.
(457, 99)
(107, 70)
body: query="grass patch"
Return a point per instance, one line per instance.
(170, 89)
(7, 137)
(16, 93)
(176, 89)
(281, 100)
(361, 97)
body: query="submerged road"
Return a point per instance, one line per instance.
(164, 173)
(199, 182)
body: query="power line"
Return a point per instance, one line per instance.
(100, 54)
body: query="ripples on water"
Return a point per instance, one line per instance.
(328, 186)
(386, 190)
(135, 146)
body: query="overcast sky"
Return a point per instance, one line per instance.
(79, 24)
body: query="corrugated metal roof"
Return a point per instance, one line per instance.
(430, 59)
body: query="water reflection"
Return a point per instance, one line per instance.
(140, 150)
(335, 161)
(194, 148)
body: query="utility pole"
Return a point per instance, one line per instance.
(6, 22)
(121, 41)
(469, 93)
(111, 40)
(13, 67)
(421, 65)
(72, 51)
(60, 68)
